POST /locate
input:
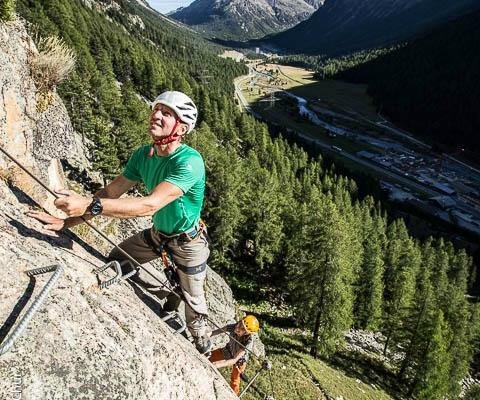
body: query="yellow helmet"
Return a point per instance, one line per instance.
(251, 324)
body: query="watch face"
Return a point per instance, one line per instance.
(96, 207)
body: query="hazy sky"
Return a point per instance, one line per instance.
(165, 6)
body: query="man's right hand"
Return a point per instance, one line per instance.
(50, 222)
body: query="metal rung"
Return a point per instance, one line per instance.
(118, 274)
(18, 331)
(175, 316)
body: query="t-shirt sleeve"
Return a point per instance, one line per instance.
(131, 170)
(187, 172)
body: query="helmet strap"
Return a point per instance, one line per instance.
(172, 137)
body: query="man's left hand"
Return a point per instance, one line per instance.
(71, 203)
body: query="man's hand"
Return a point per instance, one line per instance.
(72, 203)
(50, 222)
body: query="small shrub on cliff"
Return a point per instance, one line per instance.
(7, 10)
(50, 67)
(6, 175)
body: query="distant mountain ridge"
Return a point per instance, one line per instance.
(435, 91)
(344, 26)
(245, 19)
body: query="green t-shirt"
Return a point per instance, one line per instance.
(183, 168)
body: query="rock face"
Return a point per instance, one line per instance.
(39, 140)
(83, 342)
(245, 19)
(87, 343)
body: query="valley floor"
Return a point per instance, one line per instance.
(339, 119)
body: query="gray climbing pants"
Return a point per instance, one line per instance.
(191, 261)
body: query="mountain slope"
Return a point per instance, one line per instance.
(343, 26)
(244, 19)
(431, 86)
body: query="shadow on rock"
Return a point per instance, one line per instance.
(64, 240)
(22, 197)
(57, 241)
(21, 303)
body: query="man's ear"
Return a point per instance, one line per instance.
(183, 129)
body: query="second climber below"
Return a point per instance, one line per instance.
(234, 354)
(174, 176)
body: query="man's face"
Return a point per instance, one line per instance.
(162, 121)
(240, 329)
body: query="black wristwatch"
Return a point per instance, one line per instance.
(95, 207)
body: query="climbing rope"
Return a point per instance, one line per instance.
(164, 285)
(18, 331)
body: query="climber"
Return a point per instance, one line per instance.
(174, 176)
(233, 354)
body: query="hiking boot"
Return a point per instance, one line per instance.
(203, 344)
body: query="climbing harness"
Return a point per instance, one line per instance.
(119, 277)
(18, 331)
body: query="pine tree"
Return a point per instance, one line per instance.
(368, 274)
(369, 290)
(319, 273)
(403, 259)
(432, 376)
(423, 305)
(131, 120)
(105, 153)
(459, 316)
(263, 212)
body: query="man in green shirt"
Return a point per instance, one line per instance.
(174, 175)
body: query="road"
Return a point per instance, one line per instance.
(238, 92)
(327, 147)
(408, 182)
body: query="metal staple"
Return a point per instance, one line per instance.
(18, 331)
(118, 274)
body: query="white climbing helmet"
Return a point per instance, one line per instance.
(183, 106)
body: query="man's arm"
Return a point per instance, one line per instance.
(75, 205)
(232, 361)
(114, 189)
(163, 194)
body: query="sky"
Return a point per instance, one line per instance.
(165, 6)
